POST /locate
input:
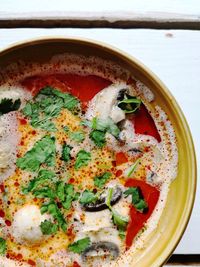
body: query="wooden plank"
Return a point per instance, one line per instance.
(174, 56)
(87, 13)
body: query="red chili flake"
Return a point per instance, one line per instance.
(71, 181)
(8, 223)
(18, 257)
(21, 143)
(2, 188)
(23, 121)
(114, 163)
(16, 184)
(31, 262)
(119, 173)
(2, 214)
(33, 132)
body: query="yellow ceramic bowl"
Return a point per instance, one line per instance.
(182, 191)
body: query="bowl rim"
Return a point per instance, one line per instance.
(167, 252)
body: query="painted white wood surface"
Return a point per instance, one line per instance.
(112, 10)
(174, 56)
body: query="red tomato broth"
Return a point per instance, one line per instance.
(144, 123)
(83, 87)
(137, 220)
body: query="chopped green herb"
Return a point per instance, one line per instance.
(47, 105)
(66, 194)
(43, 151)
(129, 104)
(122, 234)
(70, 102)
(83, 158)
(66, 153)
(119, 220)
(44, 192)
(53, 209)
(48, 228)
(132, 168)
(98, 137)
(107, 125)
(7, 105)
(2, 246)
(100, 181)
(137, 199)
(88, 197)
(80, 245)
(77, 136)
(43, 176)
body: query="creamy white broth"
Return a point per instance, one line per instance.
(97, 226)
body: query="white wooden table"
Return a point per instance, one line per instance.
(173, 54)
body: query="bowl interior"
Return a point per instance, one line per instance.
(182, 191)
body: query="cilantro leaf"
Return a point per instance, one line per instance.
(44, 192)
(137, 199)
(66, 153)
(3, 246)
(88, 197)
(66, 194)
(129, 104)
(77, 136)
(44, 124)
(43, 176)
(53, 209)
(7, 105)
(47, 105)
(100, 181)
(83, 158)
(48, 228)
(43, 151)
(119, 220)
(80, 245)
(70, 102)
(106, 125)
(98, 137)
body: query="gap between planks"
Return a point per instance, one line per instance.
(101, 23)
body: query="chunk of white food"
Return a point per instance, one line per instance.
(104, 104)
(95, 221)
(26, 225)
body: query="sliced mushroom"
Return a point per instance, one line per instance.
(101, 249)
(100, 204)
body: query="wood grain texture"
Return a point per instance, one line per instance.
(87, 13)
(174, 56)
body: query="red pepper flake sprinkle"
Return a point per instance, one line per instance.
(2, 188)
(71, 181)
(2, 214)
(8, 223)
(23, 121)
(16, 184)
(119, 173)
(31, 262)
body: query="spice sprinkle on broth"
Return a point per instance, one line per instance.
(86, 162)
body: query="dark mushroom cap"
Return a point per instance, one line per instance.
(108, 248)
(100, 204)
